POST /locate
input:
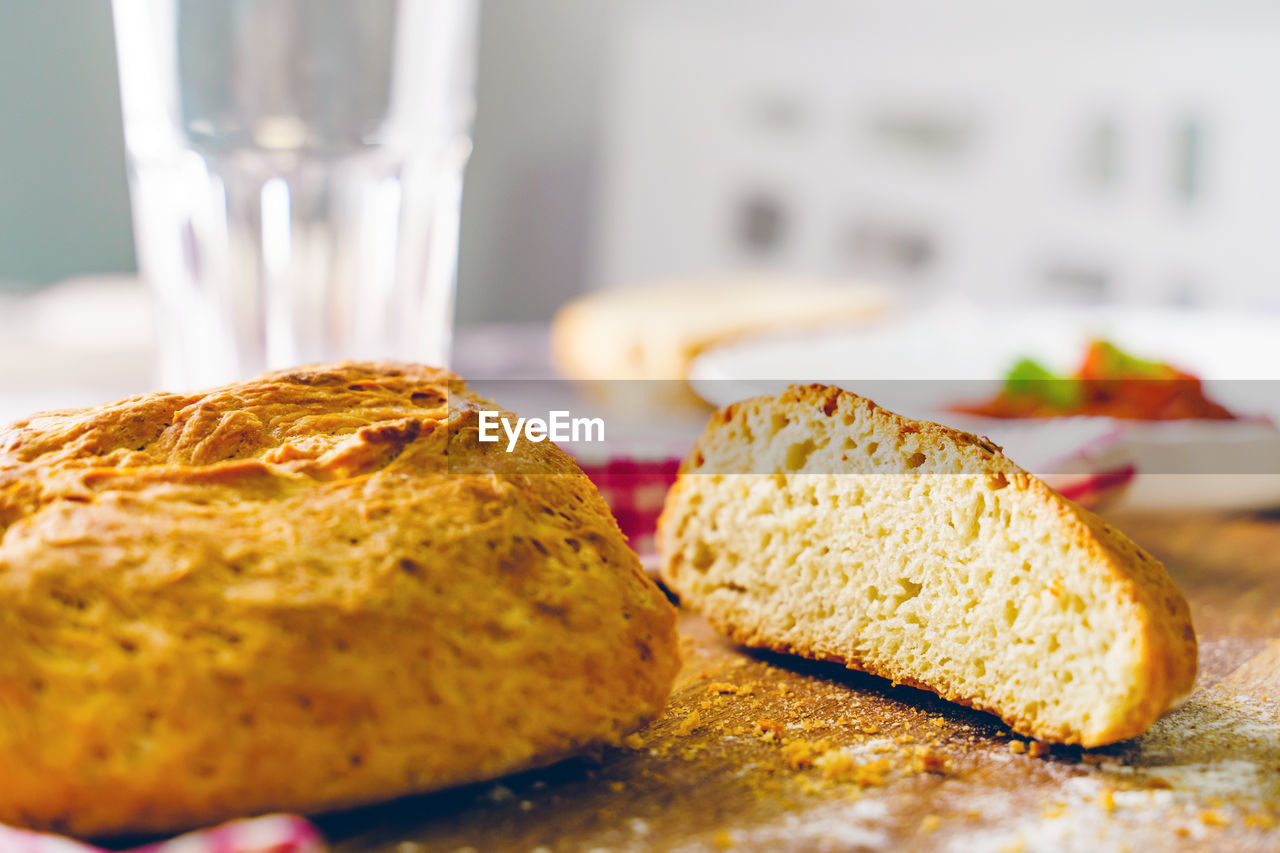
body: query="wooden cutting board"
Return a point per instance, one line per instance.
(770, 753)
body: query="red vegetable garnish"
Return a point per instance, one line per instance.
(1109, 382)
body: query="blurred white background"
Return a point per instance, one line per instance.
(1078, 151)
(1061, 152)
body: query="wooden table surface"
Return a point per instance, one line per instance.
(763, 752)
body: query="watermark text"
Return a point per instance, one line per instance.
(559, 425)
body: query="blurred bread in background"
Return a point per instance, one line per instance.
(655, 331)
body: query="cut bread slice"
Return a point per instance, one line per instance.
(819, 524)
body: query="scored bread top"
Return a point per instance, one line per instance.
(306, 591)
(792, 514)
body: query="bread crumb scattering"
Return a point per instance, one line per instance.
(1017, 747)
(805, 760)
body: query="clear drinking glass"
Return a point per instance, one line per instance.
(295, 170)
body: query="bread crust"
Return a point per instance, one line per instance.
(305, 592)
(1158, 612)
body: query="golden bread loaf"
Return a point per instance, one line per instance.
(305, 592)
(819, 524)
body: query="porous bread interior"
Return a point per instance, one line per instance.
(931, 562)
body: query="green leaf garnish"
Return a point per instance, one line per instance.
(1028, 379)
(1115, 363)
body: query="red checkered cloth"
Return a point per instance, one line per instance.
(635, 490)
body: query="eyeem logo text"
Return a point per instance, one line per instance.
(558, 426)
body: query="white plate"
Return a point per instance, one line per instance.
(923, 364)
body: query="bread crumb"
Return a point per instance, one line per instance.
(925, 760)
(690, 722)
(618, 785)
(801, 754)
(1017, 747)
(499, 794)
(808, 787)
(771, 730)
(839, 765)
(938, 721)
(905, 738)
(722, 840)
(722, 687)
(633, 741)
(1259, 821)
(929, 823)
(1036, 749)
(1212, 818)
(1107, 800)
